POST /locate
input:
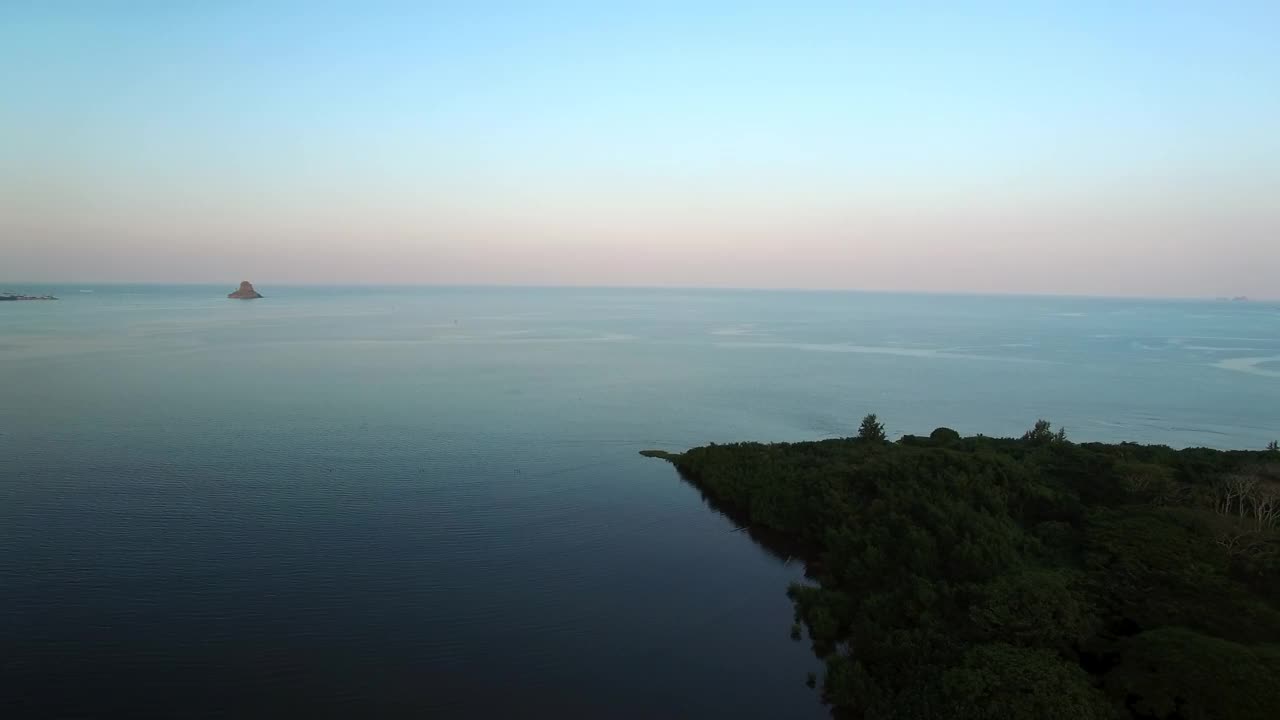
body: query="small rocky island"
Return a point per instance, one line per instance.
(18, 296)
(246, 292)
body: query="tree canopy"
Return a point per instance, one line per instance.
(1022, 578)
(871, 429)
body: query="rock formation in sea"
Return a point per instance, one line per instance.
(246, 292)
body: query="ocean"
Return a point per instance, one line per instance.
(428, 502)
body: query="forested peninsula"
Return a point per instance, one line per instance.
(1025, 578)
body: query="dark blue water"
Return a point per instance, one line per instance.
(428, 502)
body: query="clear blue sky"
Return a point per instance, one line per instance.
(1079, 147)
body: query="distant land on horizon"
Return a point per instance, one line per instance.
(1263, 299)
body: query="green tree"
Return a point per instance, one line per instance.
(872, 430)
(1003, 682)
(1042, 433)
(1273, 446)
(1038, 607)
(944, 435)
(1173, 672)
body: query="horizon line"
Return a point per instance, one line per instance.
(703, 288)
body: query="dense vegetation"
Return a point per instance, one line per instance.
(1022, 578)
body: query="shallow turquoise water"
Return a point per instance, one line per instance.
(412, 500)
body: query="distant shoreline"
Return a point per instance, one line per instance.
(1214, 298)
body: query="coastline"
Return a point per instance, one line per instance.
(1033, 576)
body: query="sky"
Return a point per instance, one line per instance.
(1101, 148)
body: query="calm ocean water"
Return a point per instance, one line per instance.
(429, 503)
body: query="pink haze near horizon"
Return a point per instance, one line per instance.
(1080, 150)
